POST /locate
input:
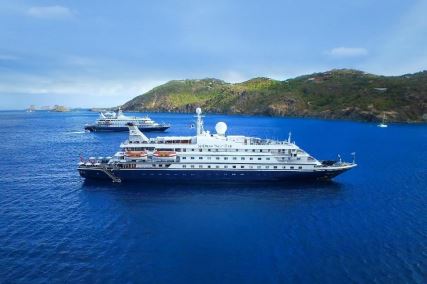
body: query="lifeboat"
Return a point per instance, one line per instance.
(136, 154)
(164, 154)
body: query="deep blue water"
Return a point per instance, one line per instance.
(369, 226)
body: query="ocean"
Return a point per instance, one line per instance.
(367, 226)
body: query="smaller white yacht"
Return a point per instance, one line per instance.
(112, 121)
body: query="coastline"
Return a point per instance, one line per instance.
(343, 119)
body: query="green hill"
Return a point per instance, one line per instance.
(337, 94)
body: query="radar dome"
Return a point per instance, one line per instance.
(198, 110)
(221, 128)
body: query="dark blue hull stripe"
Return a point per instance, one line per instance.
(122, 129)
(203, 175)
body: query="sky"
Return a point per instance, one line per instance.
(102, 53)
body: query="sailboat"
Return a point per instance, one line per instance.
(383, 124)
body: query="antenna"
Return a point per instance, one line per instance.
(289, 137)
(354, 157)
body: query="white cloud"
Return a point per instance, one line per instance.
(50, 12)
(348, 52)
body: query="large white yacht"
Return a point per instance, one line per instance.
(112, 121)
(208, 156)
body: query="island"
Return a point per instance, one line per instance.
(336, 94)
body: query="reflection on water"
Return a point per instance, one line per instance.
(228, 190)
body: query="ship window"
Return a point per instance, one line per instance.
(268, 159)
(160, 166)
(209, 150)
(200, 150)
(200, 158)
(217, 167)
(209, 167)
(192, 166)
(259, 159)
(184, 166)
(253, 150)
(209, 158)
(292, 167)
(275, 167)
(234, 167)
(200, 166)
(246, 150)
(217, 158)
(192, 150)
(298, 158)
(242, 158)
(225, 167)
(184, 158)
(237, 150)
(267, 167)
(242, 167)
(300, 167)
(234, 158)
(192, 158)
(251, 159)
(225, 158)
(184, 150)
(259, 167)
(284, 167)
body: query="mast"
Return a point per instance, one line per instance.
(199, 122)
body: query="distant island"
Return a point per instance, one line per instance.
(336, 94)
(55, 108)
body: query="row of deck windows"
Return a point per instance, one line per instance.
(289, 151)
(235, 167)
(226, 158)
